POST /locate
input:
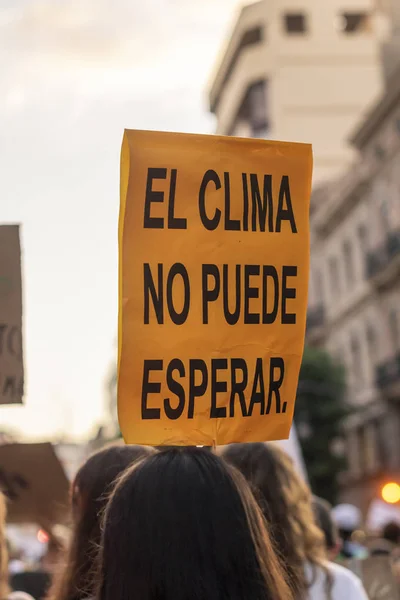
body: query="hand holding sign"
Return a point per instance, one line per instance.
(214, 255)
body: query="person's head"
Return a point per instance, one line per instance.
(3, 550)
(348, 519)
(90, 491)
(285, 500)
(391, 532)
(323, 517)
(182, 524)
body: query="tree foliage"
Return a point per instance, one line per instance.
(320, 409)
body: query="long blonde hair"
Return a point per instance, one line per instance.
(4, 589)
(286, 502)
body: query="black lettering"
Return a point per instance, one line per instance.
(249, 293)
(288, 293)
(230, 224)
(150, 388)
(2, 332)
(260, 207)
(238, 387)
(209, 295)
(275, 384)
(150, 288)
(285, 214)
(217, 364)
(7, 487)
(245, 203)
(178, 318)
(258, 397)
(270, 317)
(14, 341)
(196, 391)
(213, 223)
(9, 386)
(231, 317)
(153, 196)
(176, 388)
(174, 222)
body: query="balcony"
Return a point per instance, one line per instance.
(388, 376)
(383, 264)
(315, 324)
(339, 196)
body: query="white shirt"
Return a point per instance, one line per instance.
(346, 585)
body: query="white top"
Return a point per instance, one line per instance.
(19, 596)
(346, 585)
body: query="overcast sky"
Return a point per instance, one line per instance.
(73, 75)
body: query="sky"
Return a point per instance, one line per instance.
(73, 75)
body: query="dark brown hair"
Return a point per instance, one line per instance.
(183, 524)
(90, 491)
(391, 532)
(285, 500)
(323, 517)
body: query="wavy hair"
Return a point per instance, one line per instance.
(286, 502)
(90, 491)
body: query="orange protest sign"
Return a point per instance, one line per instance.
(214, 260)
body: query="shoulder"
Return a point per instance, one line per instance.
(19, 596)
(345, 582)
(345, 585)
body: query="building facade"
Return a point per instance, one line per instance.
(306, 70)
(289, 73)
(354, 308)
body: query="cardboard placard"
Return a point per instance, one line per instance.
(214, 261)
(35, 484)
(11, 353)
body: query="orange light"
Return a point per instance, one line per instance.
(391, 493)
(42, 536)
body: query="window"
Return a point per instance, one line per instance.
(384, 211)
(295, 23)
(362, 442)
(257, 108)
(334, 276)
(356, 359)
(251, 37)
(318, 287)
(362, 234)
(348, 262)
(381, 449)
(371, 344)
(253, 111)
(260, 132)
(394, 329)
(354, 22)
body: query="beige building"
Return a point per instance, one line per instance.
(308, 70)
(354, 305)
(300, 70)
